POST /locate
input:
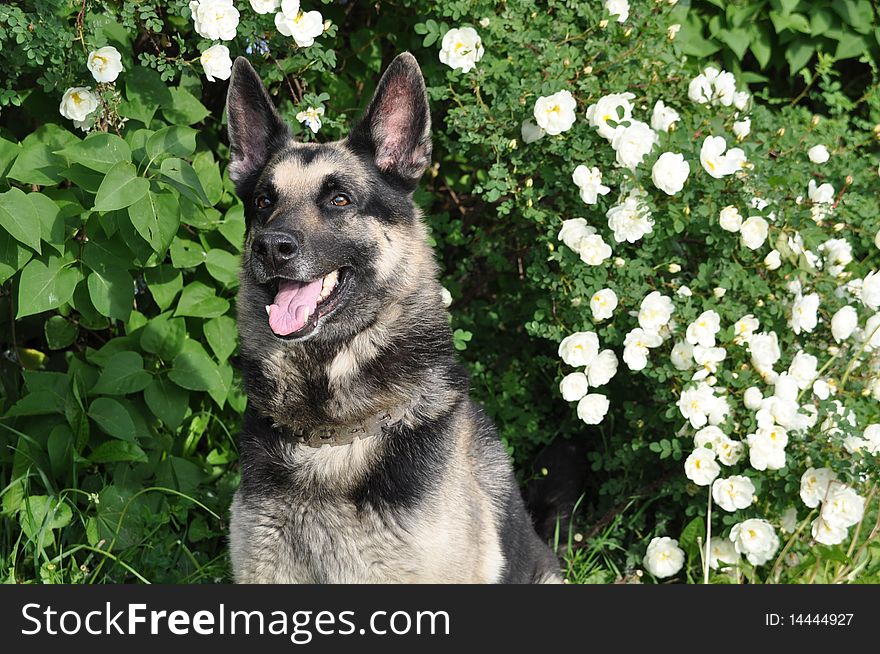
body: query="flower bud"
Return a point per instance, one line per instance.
(781, 132)
(619, 263)
(603, 24)
(529, 182)
(674, 268)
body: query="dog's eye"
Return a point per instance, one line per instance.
(340, 200)
(263, 202)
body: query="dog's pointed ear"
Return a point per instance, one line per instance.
(396, 127)
(255, 127)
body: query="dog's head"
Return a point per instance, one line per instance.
(328, 225)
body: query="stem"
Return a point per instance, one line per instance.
(708, 537)
(852, 362)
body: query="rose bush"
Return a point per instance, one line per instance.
(692, 263)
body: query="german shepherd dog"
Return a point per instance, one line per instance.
(362, 457)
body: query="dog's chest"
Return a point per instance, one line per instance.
(330, 541)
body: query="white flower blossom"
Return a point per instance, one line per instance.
(105, 64)
(311, 117)
(603, 303)
(531, 132)
(303, 26)
(733, 493)
(215, 19)
(461, 49)
(713, 86)
(756, 539)
(670, 172)
(682, 355)
(744, 328)
(632, 142)
(216, 63)
(717, 160)
(702, 331)
(265, 6)
(815, 483)
(804, 313)
(631, 219)
(589, 181)
(579, 349)
(574, 386)
(602, 369)
(593, 250)
(555, 113)
(773, 260)
(823, 194)
(664, 557)
(574, 231)
(636, 345)
(742, 128)
(618, 8)
(78, 104)
(722, 550)
(592, 408)
(754, 232)
(700, 466)
(730, 219)
(708, 359)
(803, 369)
(663, 117)
(655, 311)
(752, 398)
(818, 154)
(870, 295)
(614, 108)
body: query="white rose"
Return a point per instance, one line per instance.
(574, 231)
(773, 260)
(725, 88)
(530, 132)
(710, 435)
(579, 349)
(744, 328)
(718, 163)
(655, 311)
(827, 533)
(663, 117)
(752, 398)
(311, 117)
(593, 250)
(105, 64)
(702, 331)
(461, 48)
(701, 467)
(818, 154)
(871, 290)
(708, 359)
(670, 172)
(700, 89)
(872, 333)
(215, 19)
(615, 108)
(754, 232)
(630, 220)
(722, 550)
(265, 6)
(764, 348)
(756, 539)
(574, 386)
(216, 62)
(730, 219)
(823, 194)
(602, 369)
(555, 113)
(696, 403)
(592, 408)
(803, 369)
(684, 291)
(742, 128)
(603, 303)
(767, 448)
(872, 438)
(589, 181)
(632, 143)
(843, 506)
(804, 316)
(730, 451)
(741, 100)
(636, 344)
(618, 9)
(664, 557)
(733, 493)
(304, 27)
(814, 485)
(682, 355)
(77, 104)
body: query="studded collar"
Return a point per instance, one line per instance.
(344, 434)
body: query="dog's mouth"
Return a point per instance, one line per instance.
(299, 305)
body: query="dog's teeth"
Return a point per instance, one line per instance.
(268, 310)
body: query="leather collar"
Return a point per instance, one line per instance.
(344, 434)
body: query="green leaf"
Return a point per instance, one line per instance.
(18, 216)
(737, 39)
(186, 253)
(60, 332)
(167, 401)
(799, 53)
(37, 162)
(185, 108)
(171, 141)
(221, 335)
(8, 152)
(164, 336)
(181, 176)
(821, 20)
(112, 292)
(46, 285)
(145, 92)
(164, 283)
(233, 226)
(113, 417)
(13, 256)
(51, 220)
(98, 151)
(194, 370)
(123, 375)
(760, 43)
(209, 175)
(121, 188)
(156, 218)
(223, 266)
(200, 301)
(695, 529)
(114, 451)
(857, 13)
(850, 45)
(40, 515)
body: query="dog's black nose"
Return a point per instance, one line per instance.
(275, 248)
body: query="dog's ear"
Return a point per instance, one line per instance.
(255, 127)
(396, 127)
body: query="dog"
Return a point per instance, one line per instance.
(363, 459)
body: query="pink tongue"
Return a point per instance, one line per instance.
(288, 313)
